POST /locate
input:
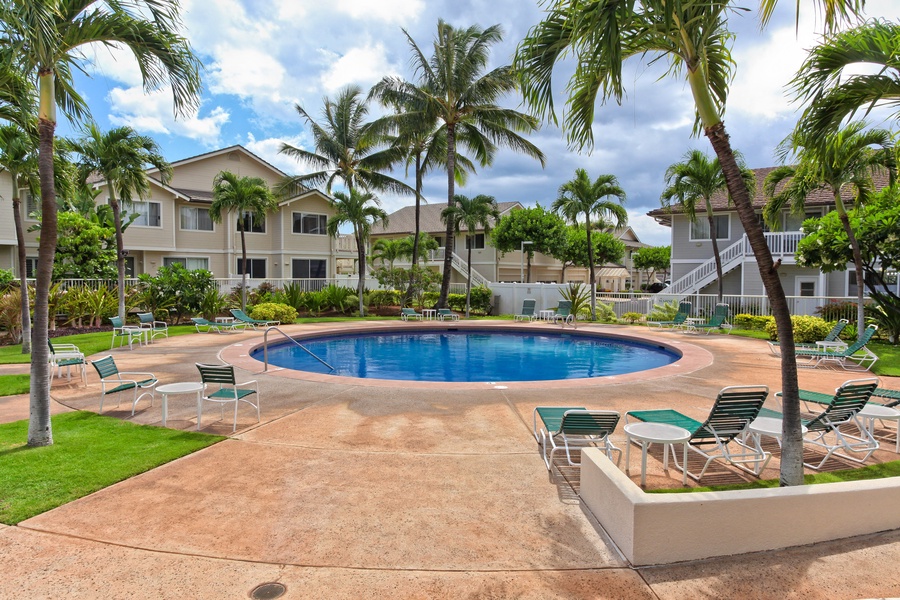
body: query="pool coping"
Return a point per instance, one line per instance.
(692, 358)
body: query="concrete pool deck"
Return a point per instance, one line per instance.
(348, 491)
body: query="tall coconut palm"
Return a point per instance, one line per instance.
(473, 214)
(581, 197)
(18, 157)
(843, 161)
(44, 40)
(362, 211)
(832, 93)
(347, 149)
(244, 196)
(454, 88)
(697, 179)
(693, 36)
(120, 156)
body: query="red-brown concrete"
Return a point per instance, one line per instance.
(347, 490)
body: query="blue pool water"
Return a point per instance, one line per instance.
(471, 355)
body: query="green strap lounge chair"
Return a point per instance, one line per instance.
(153, 327)
(68, 356)
(679, 320)
(445, 314)
(831, 341)
(410, 313)
(254, 323)
(123, 332)
(734, 409)
(717, 321)
(571, 428)
(564, 313)
(219, 386)
(856, 357)
(113, 382)
(824, 430)
(528, 307)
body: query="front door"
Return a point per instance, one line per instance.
(806, 292)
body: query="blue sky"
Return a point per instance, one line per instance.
(260, 59)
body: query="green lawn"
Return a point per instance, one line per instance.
(10, 385)
(90, 452)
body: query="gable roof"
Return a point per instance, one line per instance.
(720, 203)
(403, 221)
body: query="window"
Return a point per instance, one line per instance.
(129, 266)
(256, 268)
(148, 214)
(32, 203)
(762, 222)
(196, 219)
(476, 241)
(302, 268)
(310, 223)
(700, 229)
(254, 223)
(191, 264)
(31, 267)
(440, 240)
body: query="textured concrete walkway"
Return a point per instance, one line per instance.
(356, 491)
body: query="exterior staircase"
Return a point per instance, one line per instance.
(782, 245)
(460, 266)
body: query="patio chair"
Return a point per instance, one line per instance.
(445, 314)
(841, 409)
(564, 313)
(153, 327)
(717, 321)
(113, 382)
(221, 378)
(244, 318)
(734, 409)
(68, 356)
(832, 340)
(121, 331)
(210, 326)
(679, 320)
(856, 354)
(574, 428)
(410, 313)
(528, 307)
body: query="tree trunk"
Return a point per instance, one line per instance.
(713, 234)
(468, 273)
(243, 264)
(792, 439)
(40, 431)
(415, 247)
(592, 273)
(120, 246)
(448, 242)
(528, 267)
(860, 277)
(361, 253)
(23, 279)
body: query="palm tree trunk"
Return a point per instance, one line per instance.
(120, 246)
(593, 274)
(448, 243)
(40, 431)
(361, 253)
(528, 267)
(860, 281)
(243, 264)
(468, 273)
(415, 247)
(23, 279)
(713, 234)
(792, 439)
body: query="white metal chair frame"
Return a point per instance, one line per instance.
(569, 442)
(221, 394)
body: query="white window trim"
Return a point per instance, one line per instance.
(237, 264)
(180, 228)
(237, 231)
(318, 235)
(185, 258)
(148, 202)
(690, 225)
(308, 258)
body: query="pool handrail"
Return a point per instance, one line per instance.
(304, 348)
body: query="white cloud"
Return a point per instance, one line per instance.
(153, 113)
(268, 148)
(363, 65)
(648, 230)
(114, 62)
(388, 11)
(246, 72)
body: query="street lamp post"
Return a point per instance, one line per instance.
(522, 265)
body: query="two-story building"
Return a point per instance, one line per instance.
(488, 264)
(173, 225)
(693, 265)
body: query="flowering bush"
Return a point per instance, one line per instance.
(806, 329)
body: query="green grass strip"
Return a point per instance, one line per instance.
(89, 453)
(879, 471)
(11, 385)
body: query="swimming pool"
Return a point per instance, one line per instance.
(470, 355)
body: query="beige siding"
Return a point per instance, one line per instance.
(7, 228)
(199, 174)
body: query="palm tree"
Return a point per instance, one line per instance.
(44, 40)
(120, 156)
(453, 88)
(583, 197)
(833, 94)
(473, 214)
(694, 37)
(347, 148)
(361, 210)
(843, 160)
(388, 251)
(697, 179)
(18, 157)
(245, 196)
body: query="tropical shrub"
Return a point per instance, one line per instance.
(835, 310)
(174, 288)
(632, 317)
(11, 314)
(382, 298)
(605, 313)
(664, 311)
(886, 314)
(580, 297)
(87, 307)
(273, 311)
(291, 294)
(6, 280)
(213, 303)
(480, 299)
(752, 322)
(337, 297)
(806, 329)
(314, 302)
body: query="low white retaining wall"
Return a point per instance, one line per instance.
(665, 528)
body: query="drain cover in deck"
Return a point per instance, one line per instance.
(268, 591)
